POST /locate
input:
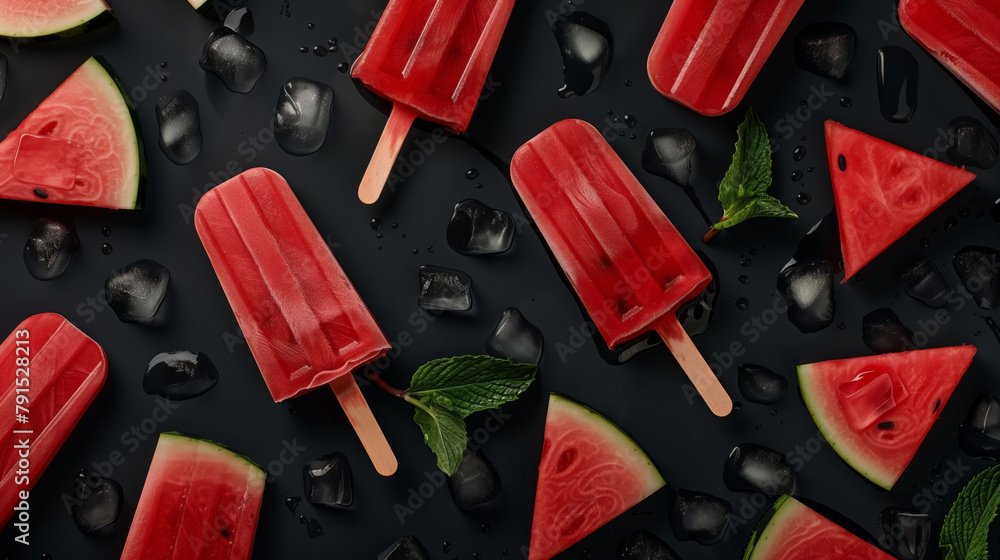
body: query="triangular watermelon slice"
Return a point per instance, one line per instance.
(876, 410)
(791, 530)
(81, 146)
(52, 19)
(882, 191)
(590, 473)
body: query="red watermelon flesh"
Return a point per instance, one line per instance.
(881, 191)
(922, 383)
(200, 501)
(52, 19)
(590, 473)
(81, 146)
(793, 531)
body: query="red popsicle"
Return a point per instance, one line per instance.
(430, 58)
(628, 264)
(52, 372)
(964, 35)
(303, 320)
(708, 52)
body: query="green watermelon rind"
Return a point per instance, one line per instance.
(140, 186)
(883, 480)
(601, 423)
(102, 19)
(183, 436)
(758, 537)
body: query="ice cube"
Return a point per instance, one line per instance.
(695, 516)
(759, 384)
(240, 20)
(882, 332)
(971, 143)
(180, 126)
(179, 375)
(96, 502)
(475, 228)
(328, 481)
(870, 395)
(755, 468)
(303, 116)
(922, 281)
(515, 339)
(50, 247)
(406, 548)
(807, 289)
(475, 482)
(825, 49)
(444, 289)
(979, 436)
(695, 315)
(907, 535)
(897, 73)
(643, 545)
(822, 241)
(238, 62)
(977, 269)
(136, 291)
(668, 153)
(587, 49)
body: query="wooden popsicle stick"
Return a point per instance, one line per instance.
(364, 423)
(389, 144)
(694, 365)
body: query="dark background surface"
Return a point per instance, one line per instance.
(644, 397)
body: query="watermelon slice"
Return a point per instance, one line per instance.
(202, 5)
(52, 19)
(81, 146)
(590, 473)
(881, 191)
(876, 410)
(791, 530)
(200, 501)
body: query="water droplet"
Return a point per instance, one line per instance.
(630, 121)
(163, 65)
(332, 41)
(924, 242)
(343, 67)
(628, 83)
(810, 169)
(977, 333)
(472, 174)
(632, 136)
(797, 175)
(743, 278)
(430, 249)
(745, 262)
(846, 102)
(303, 50)
(446, 546)
(292, 503)
(311, 26)
(950, 222)
(737, 405)
(106, 231)
(320, 50)
(964, 212)
(742, 304)
(333, 49)
(803, 198)
(485, 528)
(106, 248)
(799, 153)
(394, 225)
(163, 77)
(376, 224)
(378, 235)
(415, 251)
(479, 185)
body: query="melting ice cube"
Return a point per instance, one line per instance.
(50, 247)
(643, 545)
(979, 436)
(96, 502)
(136, 291)
(668, 152)
(977, 268)
(328, 481)
(897, 74)
(240, 20)
(695, 516)
(587, 49)
(406, 548)
(238, 62)
(807, 288)
(869, 395)
(475, 228)
(971, 143)
(922, 281)
(907, 535)
(179, 375)
(475, 482)
(444, 289)
(302, 117)
(515, 339)
(755, 468)
(882, 332)
(759, 384)
(180, 126)
(825, 49)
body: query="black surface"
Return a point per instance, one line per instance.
(643, 396)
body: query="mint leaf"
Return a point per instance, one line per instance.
(444, 432)
(468, 384)
(743, 189)
(967, 524)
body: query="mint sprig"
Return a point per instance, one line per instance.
(967, 524)
(743, 190)
(447, 390)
